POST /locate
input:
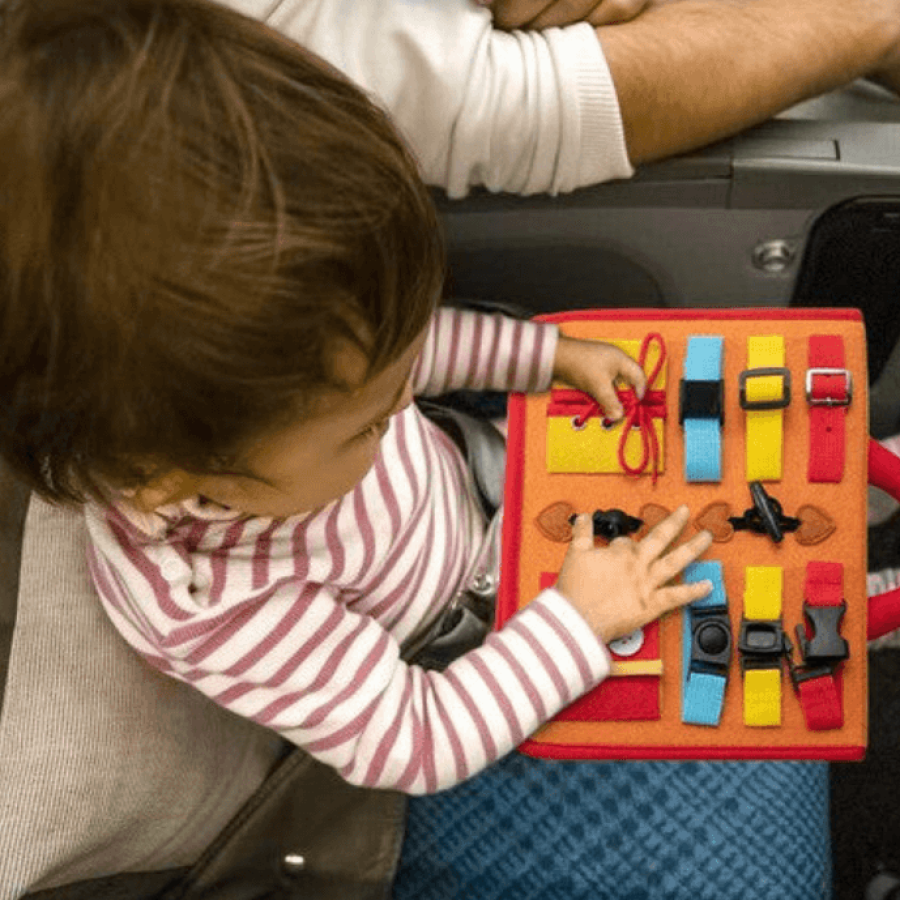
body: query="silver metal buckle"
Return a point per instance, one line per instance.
(829, 401)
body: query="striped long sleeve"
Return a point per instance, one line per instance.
(297, 623)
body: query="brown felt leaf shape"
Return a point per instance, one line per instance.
(815, 525)
(553, 521)
(652, 514)
(714, 518)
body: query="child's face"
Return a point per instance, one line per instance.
(305, 466)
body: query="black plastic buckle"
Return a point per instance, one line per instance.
(701, 399)
(781, 403)
(710, 641)
(762, 643)
(612, 523)
(765, 517)
(826, 649)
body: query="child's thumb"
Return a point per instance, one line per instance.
(583, 532)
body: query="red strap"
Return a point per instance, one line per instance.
(826, 423)
(824, 583)
(820, 698)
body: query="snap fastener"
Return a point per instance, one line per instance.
(293, 864)
(628, 644)
(483, 585)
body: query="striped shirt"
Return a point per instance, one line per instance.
(298, 622)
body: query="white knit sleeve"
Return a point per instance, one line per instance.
(524, 112)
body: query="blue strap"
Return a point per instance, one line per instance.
(703, 693)
(702, 437)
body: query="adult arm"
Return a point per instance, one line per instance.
(692, 72)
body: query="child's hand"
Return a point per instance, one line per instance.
(535, 14)
(625, 585)
(593, 366)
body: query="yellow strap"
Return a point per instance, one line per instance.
(762, 697)
(763, 588)
(764, 426)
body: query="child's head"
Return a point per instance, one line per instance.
(205, 234)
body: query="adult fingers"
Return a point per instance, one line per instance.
(565, 12)
(613, 12)
(517, 13)
(671, 564)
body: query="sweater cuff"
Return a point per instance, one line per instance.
(547, 342)
(599, 153)
(567, 639)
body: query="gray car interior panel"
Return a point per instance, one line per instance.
(727, 226)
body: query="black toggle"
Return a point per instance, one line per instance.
(765, 517)
(613, 523)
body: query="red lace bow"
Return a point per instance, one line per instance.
(639, 413)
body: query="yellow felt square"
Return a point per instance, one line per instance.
(593, 448)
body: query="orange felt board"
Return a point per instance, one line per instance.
(528, 553)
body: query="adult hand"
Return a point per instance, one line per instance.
(627, 584)
(537, 14)
(593, 366)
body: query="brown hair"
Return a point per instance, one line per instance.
(193, 211)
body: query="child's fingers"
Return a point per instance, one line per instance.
(656, 541)
(583, 532)
(668, 598)
(634, 375)
(605, 394)
(668, 566)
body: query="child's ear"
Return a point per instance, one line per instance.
(172, 487)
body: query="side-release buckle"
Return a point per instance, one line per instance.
(821, 654)
(762, 643)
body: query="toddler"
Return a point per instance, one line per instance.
(221, 272)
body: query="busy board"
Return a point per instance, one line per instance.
(757, 420)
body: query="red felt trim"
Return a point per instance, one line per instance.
(512, 509)
(750, 314)
(543, 750)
